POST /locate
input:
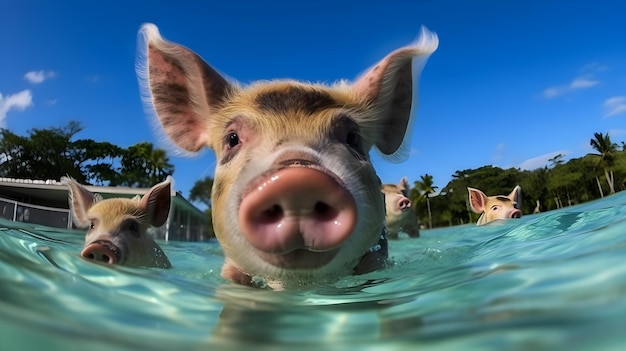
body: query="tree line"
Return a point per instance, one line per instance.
(55, 152)
(557, 185)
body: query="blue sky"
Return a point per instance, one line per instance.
(512, 84)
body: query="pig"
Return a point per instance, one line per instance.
(399, 215)
(295, 199)
(492, 208)
(117, 227)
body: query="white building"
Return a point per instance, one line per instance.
(46, 203)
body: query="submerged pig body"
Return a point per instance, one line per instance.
(400, 216)
(496, 207)
(117, 227)
(295, 197)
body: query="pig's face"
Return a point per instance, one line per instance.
(400, 215)
(117, 227)
(295, 197)
(294, 193)
(495, 207)
(397, 201)
(117, 233)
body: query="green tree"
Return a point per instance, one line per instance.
(606, 151)
(100, 161)
(44, 154)
(143, 166)
(426, 187)
(201, 192)
(556, 160)
(55, 152)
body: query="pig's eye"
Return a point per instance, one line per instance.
(92, 225)
(352, 139)
(347, 132)
(133, 228)
(232, 140)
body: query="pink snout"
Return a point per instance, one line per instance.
(514, 213)
(102, 251)
(404, 203)
(297, 208)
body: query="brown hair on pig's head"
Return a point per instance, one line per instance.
(321, 134)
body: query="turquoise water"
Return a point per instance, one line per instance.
(556, 280)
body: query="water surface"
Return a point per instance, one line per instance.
(556, 280)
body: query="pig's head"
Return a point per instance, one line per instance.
(117, 227)
(495, 207)
(396, 198)
(295, 197)
(399, 214)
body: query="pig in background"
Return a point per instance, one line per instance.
(117, 227)
(495, 207)
(295, 197)
(400, 214)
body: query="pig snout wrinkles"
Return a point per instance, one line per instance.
(102, 251)
(297, 208)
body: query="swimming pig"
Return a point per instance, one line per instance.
(400, 215)
(117, 227)
(295, 198)
(495, 207)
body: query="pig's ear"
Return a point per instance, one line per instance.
(157, 202)
(477, 200)
(80, 200)
(388, 87)
(179, 87)
(404, 184)
(516, 196)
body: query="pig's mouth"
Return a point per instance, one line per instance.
(299, 259)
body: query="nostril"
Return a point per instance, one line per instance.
(271, 215)
(287, 213)
(101, 251)
(404, 203)
(324, 212)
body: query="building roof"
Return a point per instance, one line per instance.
(52, 193)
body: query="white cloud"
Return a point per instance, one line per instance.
(615, 106)
(18, 101)
(37, 77)
(593, 68)
(582, 82)
(540, 161)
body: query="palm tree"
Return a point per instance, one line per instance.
(606, 150)
(426, 187)
(556, 160)
(159, 166)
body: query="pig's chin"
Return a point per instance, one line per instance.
(299, 259)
